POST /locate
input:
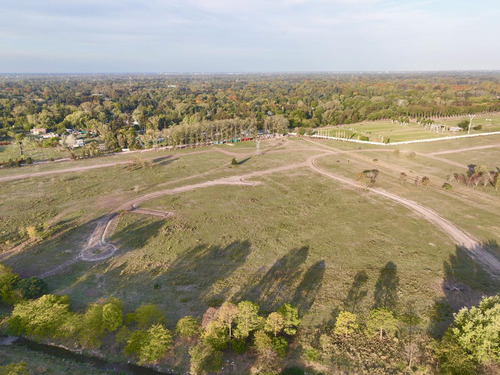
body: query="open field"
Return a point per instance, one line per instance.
(39, 363)
(296, 236)
(31, 149)
(388, 131)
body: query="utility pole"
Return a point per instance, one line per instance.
(470, 122)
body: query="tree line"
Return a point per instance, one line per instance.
(381, 342)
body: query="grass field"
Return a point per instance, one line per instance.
(31, 149)
(39, 363)
(297, 237)
(388, 131)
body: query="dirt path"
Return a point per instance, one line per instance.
(464, 240)
(124, 162)
(464, 149)
(99, 247)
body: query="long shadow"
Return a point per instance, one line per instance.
(357, 293)
(137, 234)
(386, 287)
(244, 161)
(164, 160)
(464, 284)
(64, 244)
(275, 287)
(311, 283)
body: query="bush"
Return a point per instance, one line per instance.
(234, 162)
(478, 127)
(239, 346)
(447, 186)
(411, 155)
(32, 288)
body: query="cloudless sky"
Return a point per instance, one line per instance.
(248, 35)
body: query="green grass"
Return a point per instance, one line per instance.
(489, 157)
(31, 149)
(297, 237)
(40, 363)
(382, 131)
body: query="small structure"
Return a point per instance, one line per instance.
(38, 131)
(455, 129)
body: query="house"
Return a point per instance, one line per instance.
(38, 131)
(80, 143)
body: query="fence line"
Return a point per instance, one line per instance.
(405, 142)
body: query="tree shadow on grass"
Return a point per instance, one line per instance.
(137, 234)
(275, 287)
(311, 283)
(386, 287)
(357, 293)
(464, 284)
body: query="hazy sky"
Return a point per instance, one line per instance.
(248, 35)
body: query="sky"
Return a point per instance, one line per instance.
(79, 36)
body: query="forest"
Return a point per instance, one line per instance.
(156, 102)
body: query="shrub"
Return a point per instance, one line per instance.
(447, 186)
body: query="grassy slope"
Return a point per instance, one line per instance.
(297, 237)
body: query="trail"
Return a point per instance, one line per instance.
(99, 246)
(124, 162)
(481, 256)
(464, 149)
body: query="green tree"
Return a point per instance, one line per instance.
(158, 341)
(32, 288)
(381, 321)
(290, 317)
(8, 283)
(40, 318)
(204, 359)
(345, 324)
(187, 327)
(274, 323)
(146, 315)
(216, 335)
(227, 315)
(268, 358)
(19, 368)
(112, 317)
(453, 359)
(477, 329)
(247, 320)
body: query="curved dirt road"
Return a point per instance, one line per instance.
(481, 256)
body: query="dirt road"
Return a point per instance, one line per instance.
(481, 256)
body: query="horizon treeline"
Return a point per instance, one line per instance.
(156, 102)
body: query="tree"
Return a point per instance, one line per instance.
(227, 315)
(18, 368)
(453, 359)
(345, 324)
(477, 330)
(112, 315)
(247, 320)
(215, 335)
(8, 282)
(187, 327)
(291, 318)
(146, 315)
(268, 358)
(40, 318)
(204, 359)
(158, 340)
(274, 323)
(381, 321)
(32, 288)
